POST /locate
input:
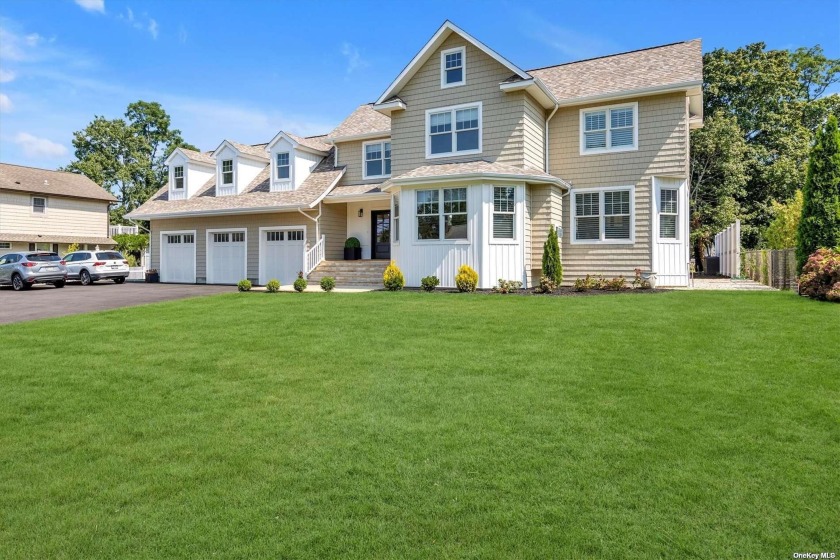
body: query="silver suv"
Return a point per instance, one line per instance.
(90, 266)
(22, 270)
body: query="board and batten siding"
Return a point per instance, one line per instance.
(63, 216)
(503, 114)
(333, 226)
(350, 154)
(662, 142)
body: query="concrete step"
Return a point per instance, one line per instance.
(362, 273)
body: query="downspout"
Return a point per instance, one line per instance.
(316, 219)
(545, 156)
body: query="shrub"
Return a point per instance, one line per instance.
(507, 286)
(546, 286)
(616, 284)
(132, 260)
(393, 279)
(327, 283)
(585, 284)
(273, 286)
(821, 275)
(466, 279)
(300, 283)
(352, 243)
(600, 283)
(429, 283)
(639, 282)
(551, 265)
(72, 248)
(244, 285)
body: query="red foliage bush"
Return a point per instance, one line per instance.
(821, 275)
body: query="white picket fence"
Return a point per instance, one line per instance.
(728, 248)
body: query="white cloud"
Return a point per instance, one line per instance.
(6, 76)
(92, 5)
(5, 103)
(39, 147)
(153, 28)
(354, 58)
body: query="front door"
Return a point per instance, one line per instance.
(381, 229)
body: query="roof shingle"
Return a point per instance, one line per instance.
(44, 181)
(363, 121)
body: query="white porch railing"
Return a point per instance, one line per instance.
(119, 230)
(313, 256)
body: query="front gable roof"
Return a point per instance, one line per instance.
(191, 155)
(431, 47)
(311, 144)
(256, 151)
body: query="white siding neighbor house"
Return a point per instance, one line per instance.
(465, 158)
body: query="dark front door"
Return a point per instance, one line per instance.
(381, 228)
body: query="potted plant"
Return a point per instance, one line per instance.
(352, 249)
(152, 275)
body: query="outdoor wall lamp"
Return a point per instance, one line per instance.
(361, 212)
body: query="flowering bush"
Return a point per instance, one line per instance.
(585, 284)
(393, 279)
(466, 279)
(615, 285)
(507, 286)
(821, 275)
(639, 281)
(547, 285)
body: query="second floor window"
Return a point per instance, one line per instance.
(179, 176)
(227, 172)
(443, 139)
(39, 205)
(452, 67)
(377, 160)
(609, 129)
(283, 167)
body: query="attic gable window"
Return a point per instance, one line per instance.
(227, 172)
(178, 172)
(453, 67)
(283, 167)
(609, 129)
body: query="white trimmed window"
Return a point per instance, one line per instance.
(227, 172)
(178, 172)
(453, 71)
(668, 212)
(396, 218)
(295, 235)
(447, 221)
(5, 245)
(283, 167)
(504, 212)
(39, 205)
(377, 160)
(603, 216)
(609, 129)
(453, 131)
(274, 236)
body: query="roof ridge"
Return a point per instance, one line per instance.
(41, 168)
(612, 55)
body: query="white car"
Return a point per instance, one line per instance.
(89, 266)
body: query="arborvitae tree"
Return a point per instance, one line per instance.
(820, 222)
(551, 265)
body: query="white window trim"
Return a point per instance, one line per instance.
(601, 201)
(396, 219)
(440, 240)
(184, 177)
(209, 239)
(364, 160)
(680, 210)
(582, 126)
(275, 167)
(518, 199)
(452, 109)
(463, 82)
(262, 242)
(220, 184)
(32, 205)
(5, 245)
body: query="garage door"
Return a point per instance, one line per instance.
(177, 258)
(226, 257)
(281, 255)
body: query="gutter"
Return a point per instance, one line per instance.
(316, 220)
(654, 90)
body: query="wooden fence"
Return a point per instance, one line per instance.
(772, 267)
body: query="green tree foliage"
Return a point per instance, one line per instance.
(820, 222)
(126, 156)
(551, 266)
(781, 233)
(776, 98)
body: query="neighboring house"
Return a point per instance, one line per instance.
(466, 158)
(49, 210)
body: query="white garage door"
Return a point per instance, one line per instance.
(226, 257)
(177, 257)
(281, 254)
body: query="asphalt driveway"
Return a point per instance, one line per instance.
(46, 301)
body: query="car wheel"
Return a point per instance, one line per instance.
(59, 284)
(119, 280)
(84, 278)
(17, 283)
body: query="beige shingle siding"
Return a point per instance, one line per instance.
(663, 127)
(502, 114)
(333, 225)
(546, 208)
(63, 216)
(534, 134)
(350, 155)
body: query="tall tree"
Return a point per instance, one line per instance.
(126, 156)
(777, 98)
(819, 225)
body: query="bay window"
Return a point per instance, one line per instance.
(377, 160)
(453, 131)
(504, 212)
(603, 216)
(609, 129)
(442, 222)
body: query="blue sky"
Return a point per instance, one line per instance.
(245, 69)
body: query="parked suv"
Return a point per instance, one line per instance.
(89, 266)
(22, 270)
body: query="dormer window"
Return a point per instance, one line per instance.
(453, 67)
(178, 172)
(227, 172)
(283, 167)
(377, 160)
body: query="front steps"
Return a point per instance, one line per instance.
(350, 274)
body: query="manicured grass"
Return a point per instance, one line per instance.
(410, 425)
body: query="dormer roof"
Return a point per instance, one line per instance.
(314, 144)
(205, 158)
(255, 151)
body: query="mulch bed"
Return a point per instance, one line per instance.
(562, 292)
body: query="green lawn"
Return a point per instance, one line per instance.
(410, 425)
